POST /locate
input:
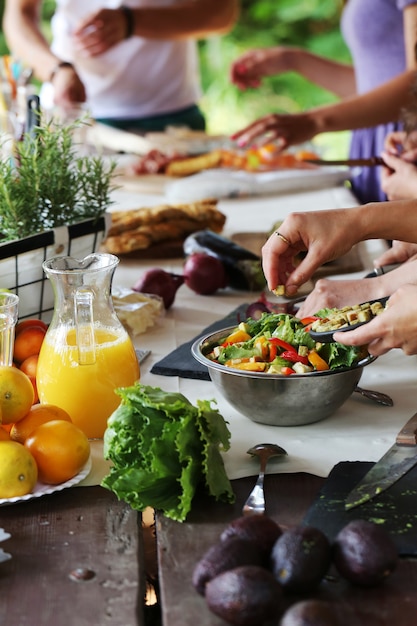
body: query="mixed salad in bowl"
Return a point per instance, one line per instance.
(279, 343)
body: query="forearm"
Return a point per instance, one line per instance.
(24, 37)
(189, 19)
(386, 220)
(378, 106)
(339, 78)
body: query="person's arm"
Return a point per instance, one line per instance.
(249, 69)
(378, 106)
(21, 25)
(189, 19)
(327, 235)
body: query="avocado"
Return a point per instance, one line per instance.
(222, 556)
(245, 596)
(300, 558)
(262, 530)
(364, 553)
(312, 613)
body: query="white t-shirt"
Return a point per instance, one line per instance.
(137, 77)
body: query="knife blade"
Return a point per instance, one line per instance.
(396, 462)
(370, 162)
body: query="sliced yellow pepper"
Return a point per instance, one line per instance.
(257, 366)
(317, 362)
(236, 337)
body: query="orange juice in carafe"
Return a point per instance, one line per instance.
(86, 354)
(87, 391)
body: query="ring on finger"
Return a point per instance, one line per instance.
(284, 239)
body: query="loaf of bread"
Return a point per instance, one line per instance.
(192, 165)
(139, 229)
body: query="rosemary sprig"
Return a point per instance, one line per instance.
(49, 184)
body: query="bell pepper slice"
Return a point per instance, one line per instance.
(236, 337)
(281, 343)
(287, 371)
(317, 362)
(309, 320)
(292, 355)
(257, 366)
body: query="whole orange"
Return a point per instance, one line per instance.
(60, 450)
(28, 342)
(18, 471)
(30, 323)
(16, 394)
(38, 414)
(29, 365)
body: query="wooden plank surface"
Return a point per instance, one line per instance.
(288, 497)
(76, 561)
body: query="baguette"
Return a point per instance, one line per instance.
(140, 229)
(192, 165)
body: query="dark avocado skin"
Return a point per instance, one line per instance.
(245, 596)
(260, 529)
(364, 553)
(222, 556)
(312, 613)
(300, 559)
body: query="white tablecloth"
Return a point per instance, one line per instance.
(359, 430)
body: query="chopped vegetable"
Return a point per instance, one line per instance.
(162, 448)
(317, 362)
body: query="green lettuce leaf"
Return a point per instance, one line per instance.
(162, 448)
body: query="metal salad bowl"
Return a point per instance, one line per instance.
(275, 399)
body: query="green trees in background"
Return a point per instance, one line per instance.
(313, 24)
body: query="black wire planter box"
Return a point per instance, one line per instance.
(21, 262)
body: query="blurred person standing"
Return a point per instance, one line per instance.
(382, 38)
(135, 65)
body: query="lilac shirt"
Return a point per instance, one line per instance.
(373, 30)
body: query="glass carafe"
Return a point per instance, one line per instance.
(86, 353)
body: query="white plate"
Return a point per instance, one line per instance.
(224, 183)
(42, 490)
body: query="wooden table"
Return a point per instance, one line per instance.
(77, 560)
(288, 497)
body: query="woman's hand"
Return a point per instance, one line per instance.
(68, 88)
(396, 327)
(99, 32)
(400, 252)
(399, 178)
(249, 69)
(325, 235)
(338, 293)
(285, 130)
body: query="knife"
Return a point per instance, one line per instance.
(370, 162)
(399, 459)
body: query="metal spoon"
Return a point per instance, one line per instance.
(376, 396)
(255, 504)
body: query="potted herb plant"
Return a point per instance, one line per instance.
(53, 200)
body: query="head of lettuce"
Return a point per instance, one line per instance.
(163, 448)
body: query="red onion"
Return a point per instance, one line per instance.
(158, 282)
(204, 273)
(256, 309)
